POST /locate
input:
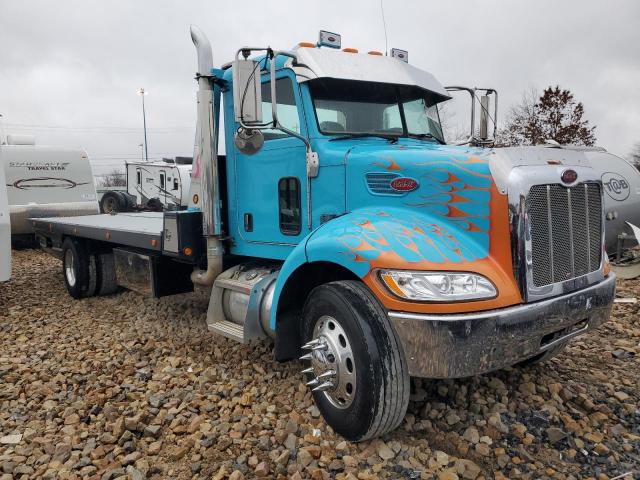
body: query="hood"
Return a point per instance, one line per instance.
(447, 181)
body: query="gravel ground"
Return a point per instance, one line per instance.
(121, 385)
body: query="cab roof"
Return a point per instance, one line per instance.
(312, 63)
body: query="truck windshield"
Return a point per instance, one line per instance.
(346, 107)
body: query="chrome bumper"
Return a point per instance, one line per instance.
(461, 345)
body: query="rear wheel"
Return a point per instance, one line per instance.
(356, 366)
(112, 202)
(107, 282)
(79, 269)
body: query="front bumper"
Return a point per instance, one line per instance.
(450, 346)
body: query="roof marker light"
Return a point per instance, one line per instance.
(306, 45)
(350, 50)
(375, 52)
(328, 39)
(400, 54)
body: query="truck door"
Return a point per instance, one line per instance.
(271, 184)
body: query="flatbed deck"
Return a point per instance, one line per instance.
(137, 229)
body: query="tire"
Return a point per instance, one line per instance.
(79, 269)
(378, 397)
(112, 202)
(155, 205)
(542, 357)
(107, 281)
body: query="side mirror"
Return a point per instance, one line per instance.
(247, 92)
(248, 141)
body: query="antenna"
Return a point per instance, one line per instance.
(384, 24)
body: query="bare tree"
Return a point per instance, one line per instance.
(634, 155)
(115, 178)
(553, 116)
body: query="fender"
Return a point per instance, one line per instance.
(370, 238)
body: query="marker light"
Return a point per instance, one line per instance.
(350, 50)
(437, 286)
(400, 54)
(328, 39)
(375, 52)
(306, 45)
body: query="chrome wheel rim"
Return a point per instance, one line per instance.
(68, 268)
(333, 369)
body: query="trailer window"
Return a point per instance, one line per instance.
(289, 205)
(162, 181)
(287, 108)
(175, 184)
(138, 177)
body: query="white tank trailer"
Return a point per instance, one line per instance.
(44, 181)
(621, 183)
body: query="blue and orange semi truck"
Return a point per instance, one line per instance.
(340, 224)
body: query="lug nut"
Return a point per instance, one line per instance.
(323, 386)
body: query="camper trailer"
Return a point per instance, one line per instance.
(44, 181)
(5, 232)
(162, 185)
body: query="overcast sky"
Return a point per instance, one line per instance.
(69, 70)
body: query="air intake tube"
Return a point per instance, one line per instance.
(206, 161)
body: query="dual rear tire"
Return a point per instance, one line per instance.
(87, 271)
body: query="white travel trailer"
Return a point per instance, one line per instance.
(5, 232)
(162, 185)
(168, 180)
(43, 181)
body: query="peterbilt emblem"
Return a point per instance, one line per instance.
(569, 176)
(404, 184)
(616, 186)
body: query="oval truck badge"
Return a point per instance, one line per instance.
(569, 176)
(404, 184)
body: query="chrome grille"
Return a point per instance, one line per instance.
(380, 183)
(566, 231)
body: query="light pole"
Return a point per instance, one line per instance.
(142, 92)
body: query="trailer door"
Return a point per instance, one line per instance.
(163, 187)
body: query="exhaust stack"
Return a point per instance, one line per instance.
(205, 167)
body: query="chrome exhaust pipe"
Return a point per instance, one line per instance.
(206, 161)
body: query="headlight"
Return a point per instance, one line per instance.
(437, 286)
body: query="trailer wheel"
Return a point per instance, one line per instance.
(356, 366)
(107, 282)
(112, 202)
(79, 269)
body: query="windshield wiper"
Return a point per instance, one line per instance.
(426, 135)
(390, 138)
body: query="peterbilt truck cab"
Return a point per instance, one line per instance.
(340, 224)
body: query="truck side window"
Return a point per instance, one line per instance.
(287, 109)
(289, 205)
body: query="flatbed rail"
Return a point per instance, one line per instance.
(136, 229)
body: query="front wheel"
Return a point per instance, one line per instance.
(356, 366)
